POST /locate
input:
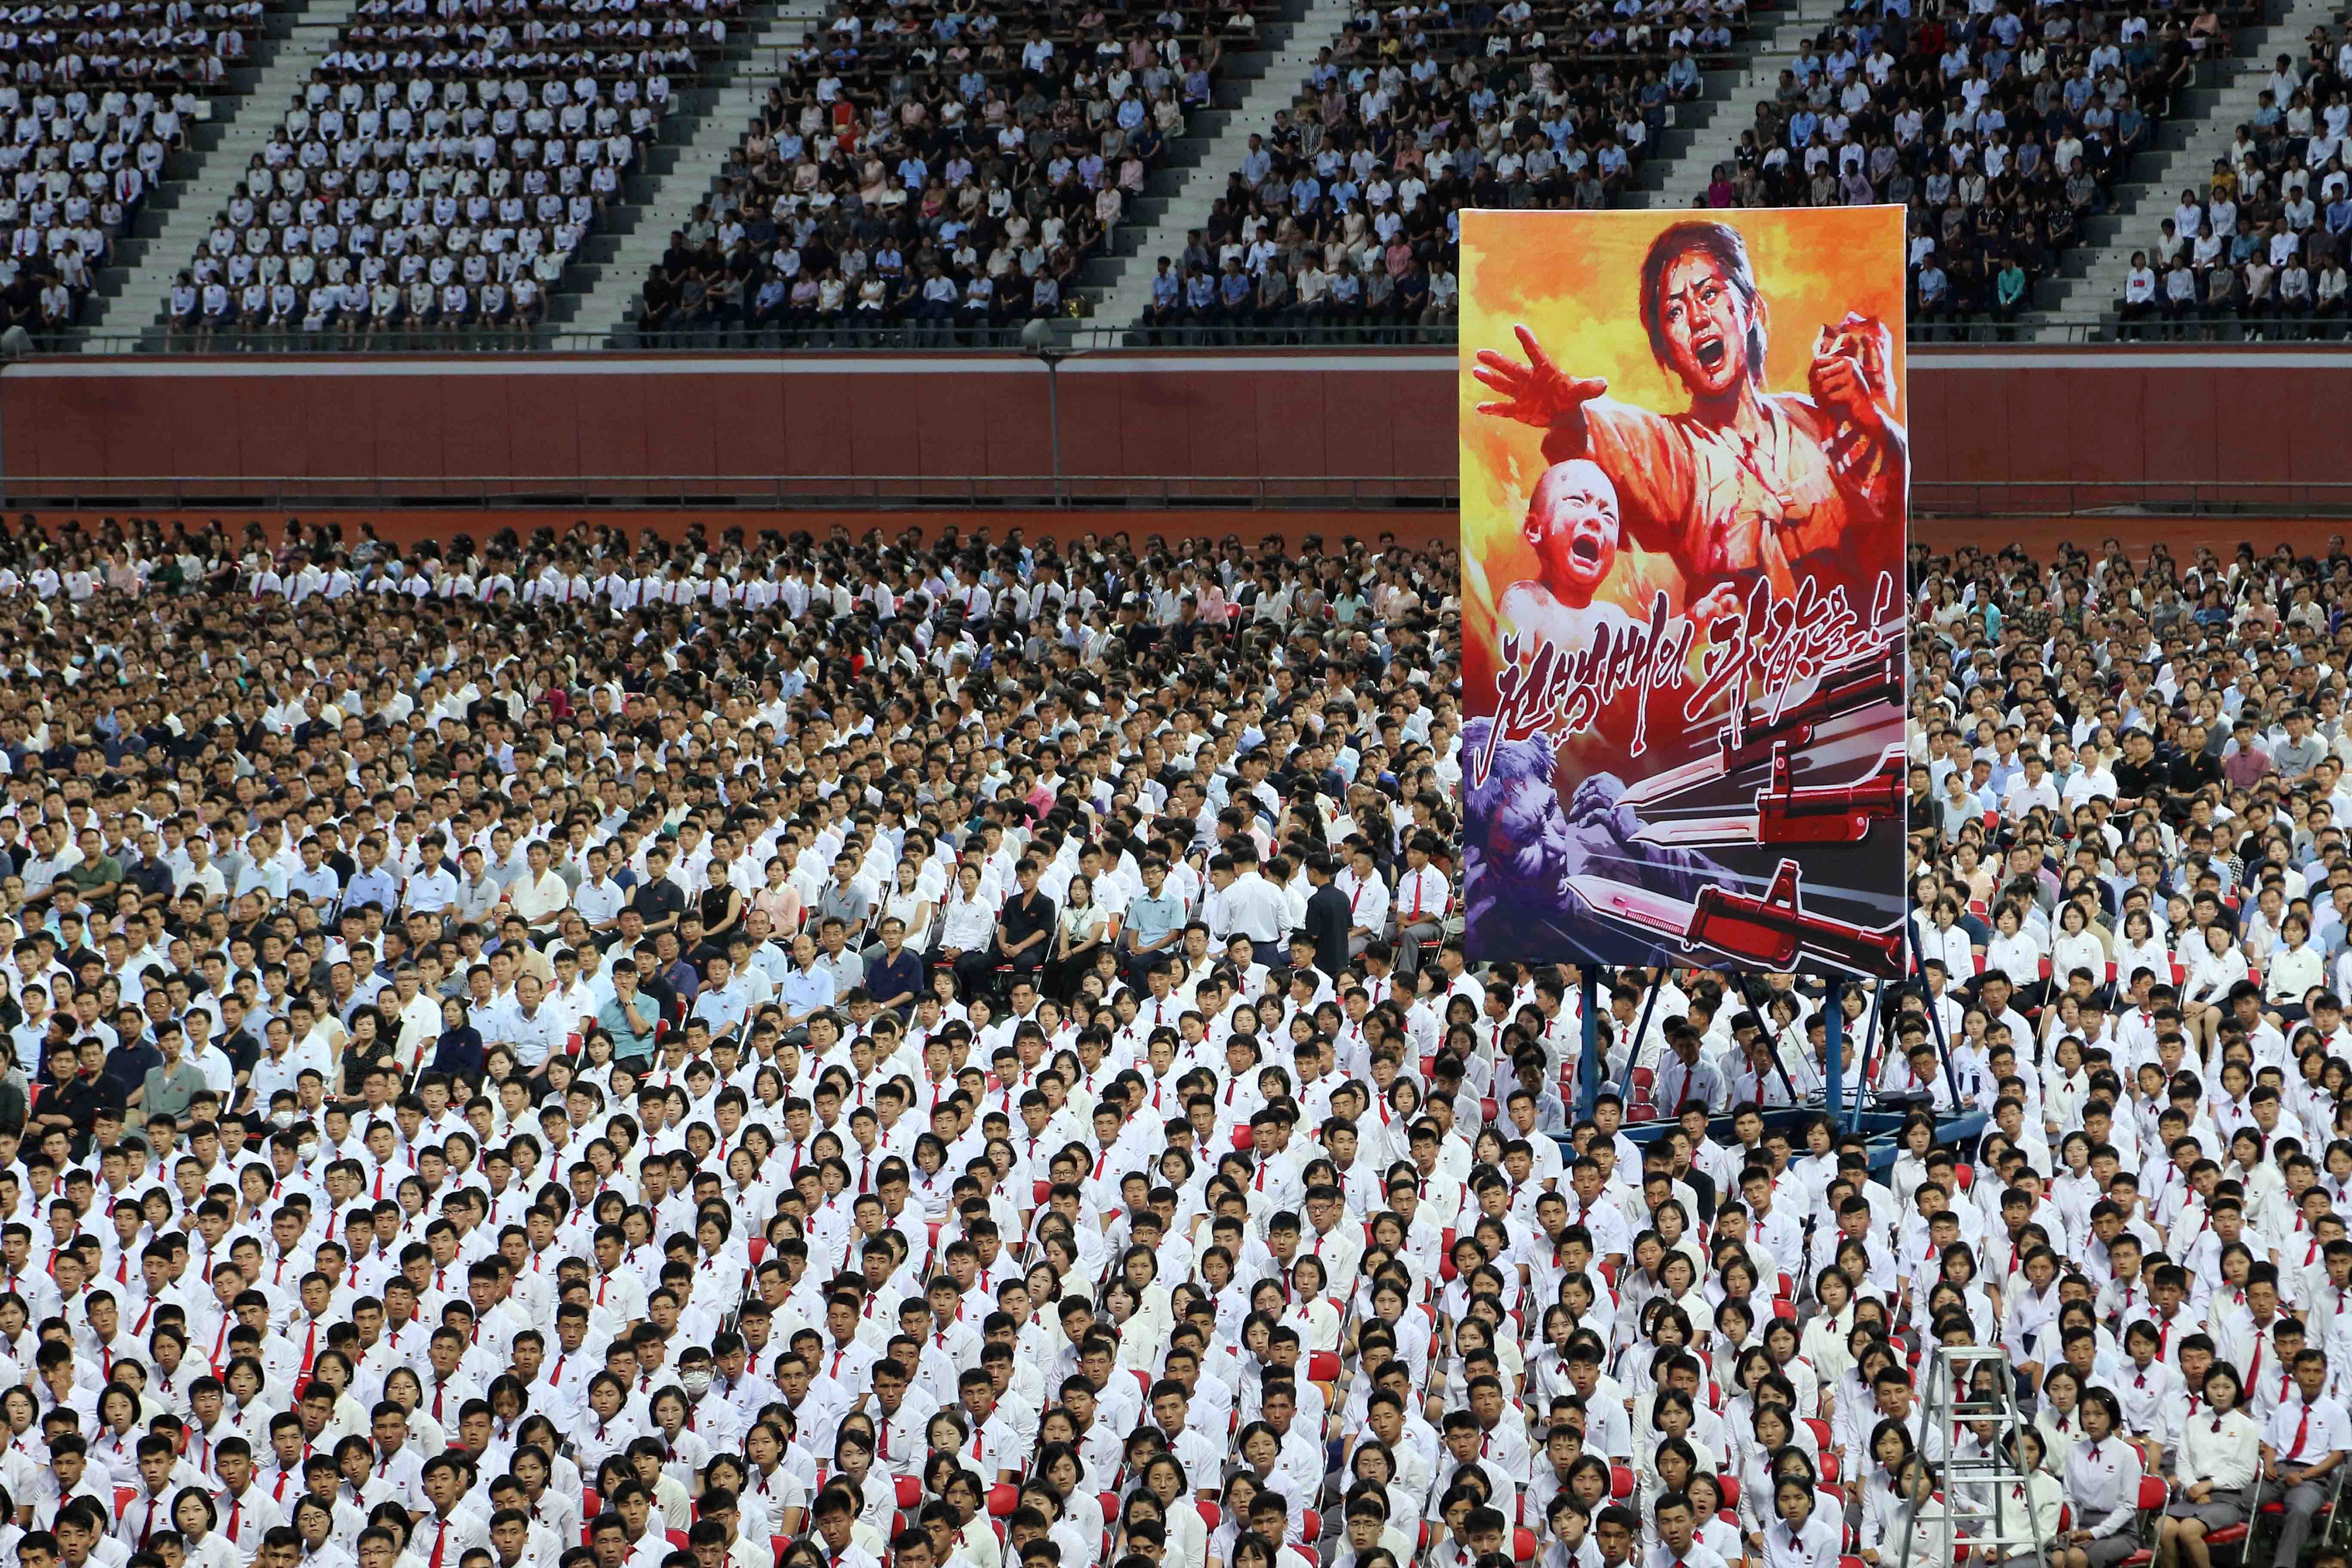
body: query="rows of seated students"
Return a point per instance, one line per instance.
(1343, 215)
(443, 164)
(93, 102)
(2002, 127)
(949, 170)
(2261, 249)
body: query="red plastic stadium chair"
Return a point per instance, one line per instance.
(1728, 1485)
(1522, 1546)
(1212, 1515)
(2153, 1494)
(1620, 1483)
(910, 1494)
(1002, 1499)
(1323, 1367)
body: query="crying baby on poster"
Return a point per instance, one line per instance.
(1781, 512)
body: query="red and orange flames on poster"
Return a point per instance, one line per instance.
(1683, 481)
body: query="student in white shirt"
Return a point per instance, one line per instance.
(2219, 1454)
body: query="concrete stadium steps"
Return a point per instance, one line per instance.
(2226, 96)
(1125, 279)
(1705, 131)
(698, 142)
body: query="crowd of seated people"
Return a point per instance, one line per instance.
(2260, 251)
(1342, 216)
(947, 171)
(93, 102)
(441, 166)
(1079, 920)
(2001, 127)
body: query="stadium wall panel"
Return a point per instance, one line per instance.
(1996, 431)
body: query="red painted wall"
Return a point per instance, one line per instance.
(1995, 431)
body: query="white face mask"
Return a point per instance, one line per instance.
(697, 1381)
(306, 1150)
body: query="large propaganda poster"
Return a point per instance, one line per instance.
(1683, 482)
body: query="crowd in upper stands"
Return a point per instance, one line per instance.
(440, 168)
(947, 173)
(1344, 213)
(95, 100)
(2001, 127)
(782, 1052)
(2260, 249)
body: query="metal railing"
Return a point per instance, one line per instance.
(1144, 493)
(1073, 334)
(834, 336)
(2117, 498)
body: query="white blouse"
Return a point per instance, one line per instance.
(2019, 956)
(2223, 1449)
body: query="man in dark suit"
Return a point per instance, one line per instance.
(1327, 917)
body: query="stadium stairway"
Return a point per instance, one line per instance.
(1126, 282)
(168, 233)
(1705, 130)
(616, 282)
(2082, 303)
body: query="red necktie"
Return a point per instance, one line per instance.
(235, 1513)
(2302, 1430)
(440, 1540)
